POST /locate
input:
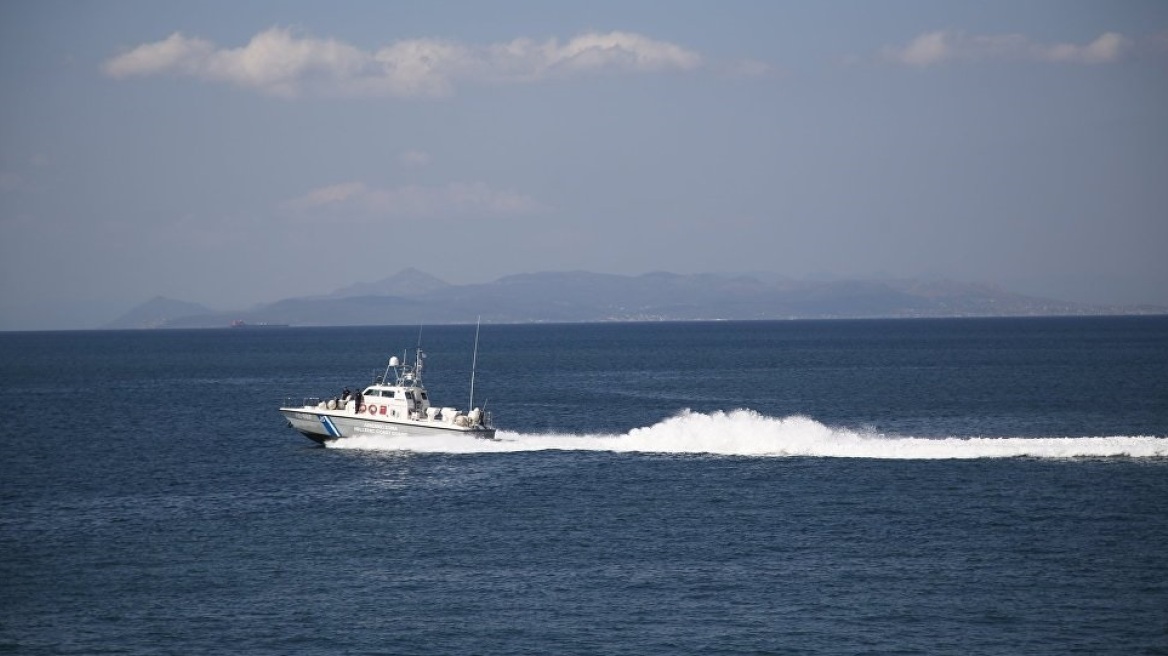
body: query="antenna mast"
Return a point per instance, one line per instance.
(474, 362)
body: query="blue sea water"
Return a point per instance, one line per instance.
(990, 486)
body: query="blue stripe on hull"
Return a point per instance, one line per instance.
(325, 427)
(329, 427)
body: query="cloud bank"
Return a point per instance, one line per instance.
(940, 47)
(451, 200)
(282, 62)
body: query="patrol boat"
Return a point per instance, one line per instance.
(399, 408)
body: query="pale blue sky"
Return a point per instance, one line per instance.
(231, 153)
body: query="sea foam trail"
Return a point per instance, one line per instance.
(747, 433)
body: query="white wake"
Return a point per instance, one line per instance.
(747, 433)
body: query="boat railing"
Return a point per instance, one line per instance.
(305, 402)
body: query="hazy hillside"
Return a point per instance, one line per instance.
(414, 297)
(158, 312)
(407, 282)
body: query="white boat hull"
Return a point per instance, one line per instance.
(401, 408)
(328, 425)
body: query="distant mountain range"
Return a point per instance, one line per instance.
(412, 297)
(159, 312)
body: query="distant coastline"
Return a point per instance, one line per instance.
(413, 297)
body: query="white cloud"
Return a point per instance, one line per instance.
(455, 199)
(331, 195)
(415, 158)
(924, 50)
(943, 46)
(617, 50)
(174, 53)
(1107, 48)
(281, 62)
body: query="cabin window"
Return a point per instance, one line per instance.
(388, 393)
(410, 395)
(424, 396)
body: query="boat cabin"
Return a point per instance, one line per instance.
(396, 401)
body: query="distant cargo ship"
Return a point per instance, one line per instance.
(240, 323)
